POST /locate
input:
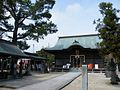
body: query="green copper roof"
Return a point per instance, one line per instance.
(35, 56)
(10, 49)
(85, 41)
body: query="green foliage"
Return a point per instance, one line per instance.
(109, 29)
(23, 45)
(26, 19)
(49, 56)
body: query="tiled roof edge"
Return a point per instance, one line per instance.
(78, 36)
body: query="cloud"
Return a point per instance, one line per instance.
(70, 11)
(71, 20)
(75, 19)
(73, 8)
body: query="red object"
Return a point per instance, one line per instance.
(90, 66)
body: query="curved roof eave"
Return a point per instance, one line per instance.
(85, 41)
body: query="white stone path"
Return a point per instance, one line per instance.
(54, 83)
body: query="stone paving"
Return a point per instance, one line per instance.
(53, 84)
(28, 80)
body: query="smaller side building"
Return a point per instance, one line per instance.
(16, 63)
(9, 54)
(37, 63)
(76, 50)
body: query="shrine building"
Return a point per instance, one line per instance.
(76, 50)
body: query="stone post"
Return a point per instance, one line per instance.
(84, 77)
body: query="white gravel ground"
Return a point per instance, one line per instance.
(96, 81)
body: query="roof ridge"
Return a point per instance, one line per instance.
(78, 36)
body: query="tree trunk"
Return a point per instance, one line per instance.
(15, 33)
(13, 67)
(14, 60)
(114, 77)
(21, 67)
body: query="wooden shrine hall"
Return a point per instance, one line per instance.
(76, 50)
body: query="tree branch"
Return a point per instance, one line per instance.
(10, 11)
(4, 30)
(23, 36)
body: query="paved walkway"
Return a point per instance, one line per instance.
(55, 81)
(28, 80)
(53, 84)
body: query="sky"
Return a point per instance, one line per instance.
(72, 17)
